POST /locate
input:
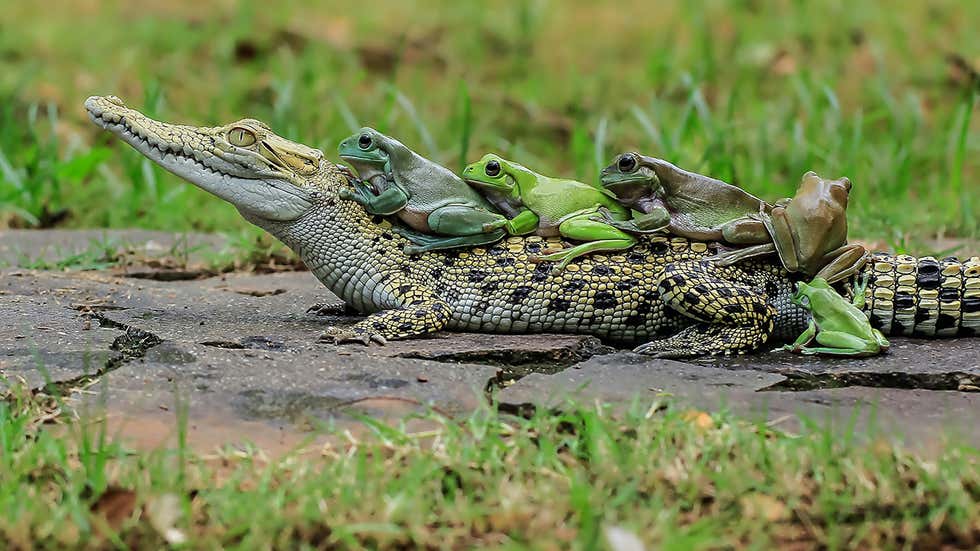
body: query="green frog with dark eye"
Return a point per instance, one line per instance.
(440, 209)
(551, 206)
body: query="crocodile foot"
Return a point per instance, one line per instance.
(342, 335)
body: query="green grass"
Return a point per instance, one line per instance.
(675, 479)
(754, 93)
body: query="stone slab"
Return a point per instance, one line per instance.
(936, 364)
(921, 417)
(42, 339)
(240, 351)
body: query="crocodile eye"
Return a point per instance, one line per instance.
(364, 142)
(492, 168)
(627, 163)
(241, 137)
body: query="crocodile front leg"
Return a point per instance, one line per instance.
(415, 311)
(731, 317)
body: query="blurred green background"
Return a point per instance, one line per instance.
(751, 92)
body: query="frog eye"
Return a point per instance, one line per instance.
(492, 169)
(241, 137)
(364, 142)
(627, 163)
(805, 301)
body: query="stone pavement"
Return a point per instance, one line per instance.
(238, 356)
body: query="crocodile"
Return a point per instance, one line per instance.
(664, 294)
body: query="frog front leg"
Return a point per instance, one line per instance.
(729, 317)
(413, 310)
(781, 231)
(524, 223)
(803, 340)
(598, 236)
(389, 201)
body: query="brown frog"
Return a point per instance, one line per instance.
(809, 232)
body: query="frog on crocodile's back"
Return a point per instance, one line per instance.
(550, 206)
(683, 203)
(426, 197)
(809, 232)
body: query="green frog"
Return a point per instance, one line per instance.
(550, 206)
(838, 325)
(425, 196)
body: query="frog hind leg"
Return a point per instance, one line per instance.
(463, 219)
(598, 236)
(734, 256)
(422, 242)
(839, 343)
(883, 343)
(747, 230)
(843, 262)
(730, 317)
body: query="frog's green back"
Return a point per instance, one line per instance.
(555, 198)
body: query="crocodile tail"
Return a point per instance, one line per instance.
(924, 297)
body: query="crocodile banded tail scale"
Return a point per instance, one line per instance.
(663, 293)
(924, 296)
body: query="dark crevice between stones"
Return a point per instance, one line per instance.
(797, 381)
(172, 275)
(513, 365)
(132, 344)
(251, 343)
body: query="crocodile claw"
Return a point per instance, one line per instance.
(343, 335)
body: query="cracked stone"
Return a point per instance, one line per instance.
(42, 340)
(241, 352)
(234, 395)
(937, 364)
(916, 416)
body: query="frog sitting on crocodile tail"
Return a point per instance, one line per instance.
(550, 206)
(809, 232)
(425, 196)
(837, 324)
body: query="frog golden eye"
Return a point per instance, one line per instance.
(492, 169)
(627, 163)
(241, 137)
(364, 142)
